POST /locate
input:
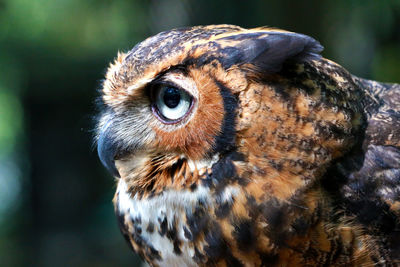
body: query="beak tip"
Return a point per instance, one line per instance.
(106, 150)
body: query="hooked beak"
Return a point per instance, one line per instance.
(107, 149)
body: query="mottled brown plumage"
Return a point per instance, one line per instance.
(236, 147)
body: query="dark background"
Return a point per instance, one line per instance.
(55, 197)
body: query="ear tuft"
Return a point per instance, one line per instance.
(268, 50)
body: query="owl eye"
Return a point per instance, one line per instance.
(171, 103)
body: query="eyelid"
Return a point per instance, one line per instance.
(160, 83)
(180, 80)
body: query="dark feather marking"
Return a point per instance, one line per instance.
(223, 209)
(274, 213)
(301, 226)
(198, 220)
(150, 227)
(225, 141)
(237, 156)
(337, 251)
(223, 172)
(138, 229)
(122, 227)
(172, 235)
(176, 166)
(394, 243)
(245, 236)
(207, 182)
(163, 226)
(177, 247)
(278, 216)
(198, 257)
(193, 187)
(254, 208)
(216, 245)
(171, 232)
(187, 233)
(137, 220)
(152, 253)
(269, 259)
(231, 261)
(217, 248)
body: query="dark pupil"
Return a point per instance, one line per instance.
(172, 97)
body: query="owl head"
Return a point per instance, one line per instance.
(175, 97)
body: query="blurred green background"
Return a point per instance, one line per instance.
(55, 197)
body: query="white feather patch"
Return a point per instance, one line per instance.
(170, 205)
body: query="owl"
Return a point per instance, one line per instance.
(245, 147)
